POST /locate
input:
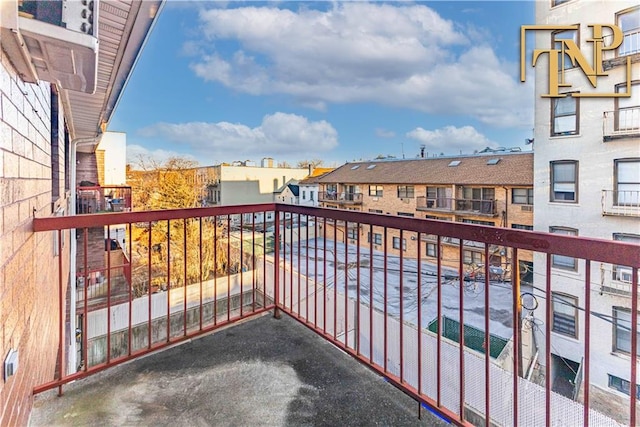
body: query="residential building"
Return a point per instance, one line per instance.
(241, 183)
(289, 193)
(310, 187)
(495, 189)
(51, 121)
(587, 183)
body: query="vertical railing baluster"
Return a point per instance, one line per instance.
(439, 322)
(401, 309)
(108, 294)
(168, 280)
(547, 345)
(487, 338)
(587, 341)
(386, 301)
(461, 326)
(517, 332)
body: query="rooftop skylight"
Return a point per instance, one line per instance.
(455, 162)
(371, 166)
(355, 167)
(493, 161)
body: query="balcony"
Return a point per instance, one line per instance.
(194, 271)
(459, 206)
(340, 198)
(95, 199)
(621, 203)
(442, 204)
(622, 123)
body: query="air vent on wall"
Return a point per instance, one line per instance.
(54, 41)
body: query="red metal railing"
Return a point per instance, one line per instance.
(476, 351)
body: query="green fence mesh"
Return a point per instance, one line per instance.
(473, 337)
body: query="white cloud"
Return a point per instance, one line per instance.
(278, 134)
(402, 55)
(383, 133)
(137, 153)
(451, 139)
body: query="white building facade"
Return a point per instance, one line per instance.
(587, 183)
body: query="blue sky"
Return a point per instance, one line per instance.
(340, 81)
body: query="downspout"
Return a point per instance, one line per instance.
(72, 350)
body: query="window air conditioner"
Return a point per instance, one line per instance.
(623, 274)
(54, 41)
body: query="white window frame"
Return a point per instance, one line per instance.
(563, 187)
(564, 307)
(562, 261)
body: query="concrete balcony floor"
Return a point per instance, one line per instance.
(263, 372)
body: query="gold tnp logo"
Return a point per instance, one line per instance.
(568, 47)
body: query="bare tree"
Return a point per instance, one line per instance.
(314, 163)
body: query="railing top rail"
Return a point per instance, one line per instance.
(102, 219)
(602, 250)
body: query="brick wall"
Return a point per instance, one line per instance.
(390, 204)
(29, 305)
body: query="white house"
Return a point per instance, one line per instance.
(310, 187)
(587, 183)
(288, 193)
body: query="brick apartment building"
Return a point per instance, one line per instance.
(494, 189)
(51, 121)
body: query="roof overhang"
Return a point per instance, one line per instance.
(123, 27)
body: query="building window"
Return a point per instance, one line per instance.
(375, 190)
(472, 257)
(627, 182)
(352, 233)
(522, 196)
(439, 218)
(311, 195)
(522, 227)
(558, 2)
(627, 110)
(562, 261)
(432, 250)
(377, 238)
(564, 181)
(408, 214)
(629, 23)
(377, 211)
(437, 197)
(405, 191)
(557, 38)
(622, 385)
(396, 243)
(622, 330)
(565, 314)
(478, 221)
(304, 195)
(564, 115)
(620, 272)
